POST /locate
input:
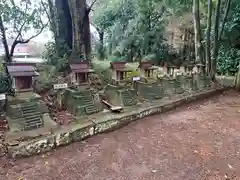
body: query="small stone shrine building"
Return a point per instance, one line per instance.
(146, 69)
(168, 68)
(119, 71)
(22, 75)
(79, 71)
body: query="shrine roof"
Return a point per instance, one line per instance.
(146, 65)
(27, 73)
(80, 66)
(119, 66)
(18, 69)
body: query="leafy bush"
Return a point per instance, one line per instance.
(117, 56)
(133, 73)
(5, 84)
(47, 78)
(101, 52)
(56, 55)
(228, 61)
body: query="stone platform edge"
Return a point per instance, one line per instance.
(77, 132)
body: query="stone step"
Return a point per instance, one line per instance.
(127, 94)
(90, 109)
(33, 120)
(85, 99)
(33, 124)
(28, 111)
(85, 93)
(32, 115)
(28, 105)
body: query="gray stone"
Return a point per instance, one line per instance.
(36, 146)
(104, 126)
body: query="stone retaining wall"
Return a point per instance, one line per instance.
(89, 127)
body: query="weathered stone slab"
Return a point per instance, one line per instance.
(36, 146)
(74, 132)
(105, 124)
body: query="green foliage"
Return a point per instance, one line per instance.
(135, 28)
(5, 84)
(116, 57)
(21, 21)
(20, 17)
(101, 51)
(229, 55)
(47, 78)
(228, 61)
(57, 55)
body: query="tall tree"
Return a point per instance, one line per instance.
(197, 31)
(216, 42)
(18, 20)
(78, 35)
(208, 35)
(237, 80)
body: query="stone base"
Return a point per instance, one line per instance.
(104, 122)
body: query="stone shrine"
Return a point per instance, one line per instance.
(79, 98)
(118, 92)
(79, 72)
(146, 69)
(22, 75)
(25, 111)
(119, 72)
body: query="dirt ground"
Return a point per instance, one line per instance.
(200, 141)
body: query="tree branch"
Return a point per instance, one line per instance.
(4, 39)
(19, 31)
(90, 7)
(47, 11)
(27, 40)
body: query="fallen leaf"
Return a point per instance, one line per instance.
(46, 163)
(229, 166)
(154, 171)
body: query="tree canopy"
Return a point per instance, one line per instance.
(20, 21)
(163, 30)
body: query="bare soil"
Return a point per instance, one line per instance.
(200, 141)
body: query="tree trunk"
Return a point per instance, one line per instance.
(208, 35)
(227, 8)
(110, 45)
(87, 34)
(4, 41)
(101, 36)
(77, 10)
(196, 18)
(216, 41)
(63, 24)
(52, 17)
(237, 84)
(81, 37)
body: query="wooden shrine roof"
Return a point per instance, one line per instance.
(119, 66)
(146, 65)
(22, 69)
(80, 66)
